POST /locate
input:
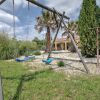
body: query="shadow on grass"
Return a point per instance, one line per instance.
(70, 67)
(74, 68)
(23, 78)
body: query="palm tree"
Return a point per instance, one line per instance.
(46, 21)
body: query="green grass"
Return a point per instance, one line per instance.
(20, 84)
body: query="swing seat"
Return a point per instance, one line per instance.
(48, 61)
(24, 58)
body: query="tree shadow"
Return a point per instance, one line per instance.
(74, 68)
(23, 78)
(70, 67)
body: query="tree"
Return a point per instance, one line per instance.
(40, 43)
(98, 20)
(87, 19)
(98, 15)
(46, 21)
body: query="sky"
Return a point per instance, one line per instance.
(25, 19)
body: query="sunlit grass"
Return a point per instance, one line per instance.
(20, 84)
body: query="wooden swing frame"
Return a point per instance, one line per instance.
(62, 17)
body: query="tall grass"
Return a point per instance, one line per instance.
(7, 47)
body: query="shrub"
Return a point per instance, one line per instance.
(61, 64)
(26, 46)
(7, 47)
(37, 53)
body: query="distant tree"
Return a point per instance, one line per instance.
(87, 19)
(36, 39)
(46, 21)
(26, 46)
(40, 43)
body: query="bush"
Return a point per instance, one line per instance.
(26, 46)
(7, 47)
(61, 64)
(37, 53)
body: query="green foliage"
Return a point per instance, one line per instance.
(7, 47)
(61, 64)
(40, 43)
(21, 84)
(37, 53)
(87, 20)
(26, 46)
(98, 15)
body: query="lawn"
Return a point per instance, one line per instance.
(20, 84)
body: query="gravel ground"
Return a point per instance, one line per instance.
(72, 67)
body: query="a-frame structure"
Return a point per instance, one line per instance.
(62, 18)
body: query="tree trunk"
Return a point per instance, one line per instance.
(48, 40)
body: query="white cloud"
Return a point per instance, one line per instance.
(69, 6)
(4, 27)
(8, 4)
(7, 18)
(26, 32)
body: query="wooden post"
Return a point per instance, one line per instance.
(65, 45)
(72, 40)
(55, 46)
(97, 31)
(78, 52)
(47, 8)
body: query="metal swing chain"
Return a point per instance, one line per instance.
(14, 19)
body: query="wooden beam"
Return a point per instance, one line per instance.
(97, 31)
(61, 19)
(73, 41)
(47, 8)
(74, 44)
